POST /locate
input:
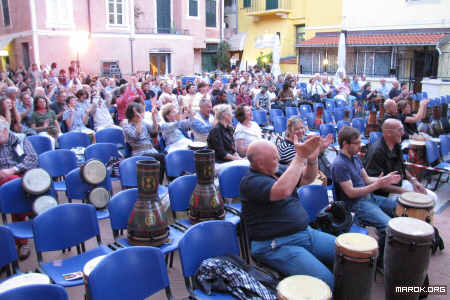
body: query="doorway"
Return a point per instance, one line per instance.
(26, 55)
(425, 65)
(160, 64)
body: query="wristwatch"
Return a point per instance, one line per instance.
(16, 170)
(412, 179)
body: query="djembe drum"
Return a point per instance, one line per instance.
(406, 255)
(198, 146)
(204, 204)
(23, 280)
(372, 124)
(93, 172)
(87, 269)
(417, 154)
(303, 287)
(436, 125)
(354, 266)
(415, 205)
(36, 183)
(147, 224)
(319, 117)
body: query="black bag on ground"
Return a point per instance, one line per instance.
(333, 219)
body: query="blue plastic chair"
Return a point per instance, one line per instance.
(180, 192)
(73, 139)
(445, 147)
(8, 255)
(327, 117)
(358, 123)
(374, 136)
(65, 226)
(340, 103)
(128, 173)
(275, 112)
(339, 114)
(279, 124)
(326, 129)
(77, 188)
(58, 163)
(315, 197)
(179, 161)
(434, 160)
(291, 111)
(229, 183)
(36, 292)
(341, 124)
(101, 151)
(148, 105)
(202, 241)
(305, 109)
(259, 116)
(132, 273)
(310, 120)
(111, 135)
(40, 143)
(329, 105)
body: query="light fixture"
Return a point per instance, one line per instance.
(4, 53)
(325, 61)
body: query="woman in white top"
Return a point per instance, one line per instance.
(246, 130)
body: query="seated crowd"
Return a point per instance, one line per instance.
(159, 116)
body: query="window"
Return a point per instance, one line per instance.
(247, 3)
(312, 60)
(163, 18)
(116, 9)
(210, 13)
(160, 64)
(6, 17)
(59, 13)
(371, 62)
(299, 33)
(193, 8)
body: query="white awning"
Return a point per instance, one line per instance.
(237, 41)
(5, 41)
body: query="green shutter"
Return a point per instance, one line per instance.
(163, 17)
(271, 4)
(247, 3)
(210, 13)
(193, 8)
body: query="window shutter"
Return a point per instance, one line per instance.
(210, 13)
(193, 8)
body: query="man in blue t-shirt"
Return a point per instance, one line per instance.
(355, 187)
(276, 221)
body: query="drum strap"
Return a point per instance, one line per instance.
(438, 242)
(371, 260)
(412, 244)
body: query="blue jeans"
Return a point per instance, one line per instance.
(302, 253)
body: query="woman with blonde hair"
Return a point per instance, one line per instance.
(176, 121)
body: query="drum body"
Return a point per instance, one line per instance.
(415, 205)
(417, 154)
(87, 269)
(36, 181)
(99, 197)
(43, 203)
(23, 280)
(303, 287)
(372, 123)
(93, 171)
(406, 255)
(354, 266)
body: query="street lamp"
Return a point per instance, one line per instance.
(325, 63)
(79, 43)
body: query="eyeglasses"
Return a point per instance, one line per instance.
(398, 130)
(357, 142)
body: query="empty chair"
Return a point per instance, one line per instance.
(101, 151)
(148, 105)
(329, 106)
(327, 117)
(326, 129)
(291, 111)
(259, 116)
(341, 124)
(275, 112)
(358, 123)
(205, 240)
(73, 139)
(445, 147)
(58, 163)
(374, 136)
(180, 161)
(433, 159)
(279, 124)
(304, 109)
(40, 143)
(111, 135)
(8, 255)
(36, 292)
(229, 183)
(339, 114)
(133, 274)
(340, 103)
(65, 226)
(310, 119)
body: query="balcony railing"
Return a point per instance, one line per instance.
(161, 30)
(269, 7)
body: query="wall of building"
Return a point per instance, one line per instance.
(19, 14)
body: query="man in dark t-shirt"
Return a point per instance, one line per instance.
(276, 221)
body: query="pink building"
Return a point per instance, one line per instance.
(160, 36)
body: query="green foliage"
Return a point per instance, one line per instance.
(222, 57)
(264, 59)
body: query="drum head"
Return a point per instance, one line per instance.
(357, 245)
(23, 280)
(197, 145)
(93, 171)
(416, 143)
(411, 228)
(303, 287)
(36, 181)
(413, 199)
(99, 197)
(90, 265)
(44, 203)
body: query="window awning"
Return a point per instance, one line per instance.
(374, 39)
(237, 41)
(4, 41)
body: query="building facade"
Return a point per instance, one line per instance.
(160, 36)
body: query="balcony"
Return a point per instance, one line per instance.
(259, 8)
(161, 30)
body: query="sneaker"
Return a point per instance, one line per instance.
(24, 251)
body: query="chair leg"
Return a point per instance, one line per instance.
(437, 182)
(171, 259)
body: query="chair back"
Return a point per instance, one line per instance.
(101, 151)
(180, 191)
(374, 136)
(340, 103)
(77, 188)
(148, 105)
(310, 119)
(130, 273)
(358, 123)
(179, 161)
(73, 139)
(128, 171)
(432, 152)
(313, 198)
(279, 124)
(40, 143)
(326, 129)
(204, 240)
(339, 114)
(58, 162)
(291, 111)
(13, 199)
(230, 180)
(275, 112)
(110, 135)
(65, 226)
(120, 207)
(8, 254)
(329, 105)
(260, 117)
(36, 292)
(445, 145)
(341, 124)
(327, 117)
(304, 109)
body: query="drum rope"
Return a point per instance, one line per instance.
(444, 171)
(411, 244)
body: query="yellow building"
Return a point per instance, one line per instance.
(292, 20)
